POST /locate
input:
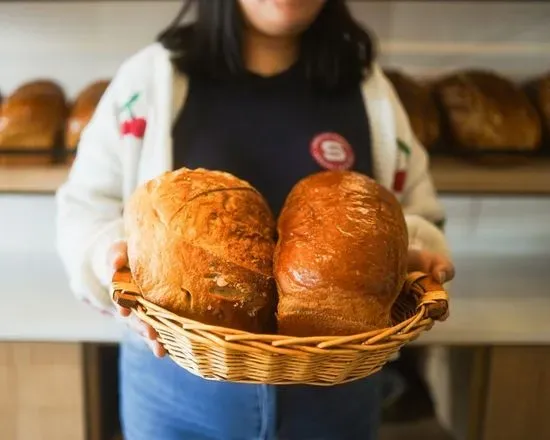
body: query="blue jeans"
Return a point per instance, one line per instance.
(161, 401)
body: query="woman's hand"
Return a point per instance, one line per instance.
(118, 259)
(437, 265)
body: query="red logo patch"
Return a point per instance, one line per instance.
(332, 151)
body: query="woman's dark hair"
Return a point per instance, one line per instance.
(335, 51)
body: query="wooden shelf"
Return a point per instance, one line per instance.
(32, 179)
(451, 175)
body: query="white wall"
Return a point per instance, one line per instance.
(431, 37)
(77, 42)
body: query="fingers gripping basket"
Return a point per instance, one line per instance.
(218, 353)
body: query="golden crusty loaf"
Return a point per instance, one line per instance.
(420, 106)
(200, 244)
(486, 112)
(540, 91)
(32, 117)
(544, 100)
(82, 111)
(341, 256)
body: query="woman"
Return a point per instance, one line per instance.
(270, 90)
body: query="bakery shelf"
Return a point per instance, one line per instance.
(32, 179)
(451, 176)
(457, 175)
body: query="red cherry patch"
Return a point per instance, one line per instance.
(135, 127)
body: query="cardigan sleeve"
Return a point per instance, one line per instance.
(89, 203)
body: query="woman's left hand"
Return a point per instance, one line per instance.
(437, 265)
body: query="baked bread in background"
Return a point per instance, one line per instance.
(82, 111)
(539, 92)
(544, 100)
(341, 257)
(200, 244)
(486, 112)
(33, 116)
(420, 106)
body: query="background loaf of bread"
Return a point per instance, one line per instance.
(82, 111)
(33, 116)
(420, 106)
(200, 244)
(544, 100)
(486, 112)
(538, 91)
(341, 257)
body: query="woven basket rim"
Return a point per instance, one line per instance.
(226, 354)
(431, 306)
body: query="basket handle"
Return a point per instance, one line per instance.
(429, 294)
(124, 291)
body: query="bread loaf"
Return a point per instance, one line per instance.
(540, 92)
(82, 111)
(200, 244)
(486, 112)
(341, 257)
(420, 106)
(544, 100)
(32, 117)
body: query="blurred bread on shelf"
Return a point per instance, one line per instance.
(539, 91)
(31, 122)
(420, 106)
(82, 111)
(544, 100)
(485, 112)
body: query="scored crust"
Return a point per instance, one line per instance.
(200, 244)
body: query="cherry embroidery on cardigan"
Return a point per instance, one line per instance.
(400, 178)
(134, 126)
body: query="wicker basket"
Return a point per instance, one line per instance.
(218, 353)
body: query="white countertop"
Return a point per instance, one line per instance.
(500, 296)
(40, 307)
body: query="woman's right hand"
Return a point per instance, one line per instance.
(118, 259)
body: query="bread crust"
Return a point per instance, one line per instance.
(200, 244)
(341, 256)
(544, 100)
(487, 112)
(420, 106)
(82, 111)
(33, 116)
